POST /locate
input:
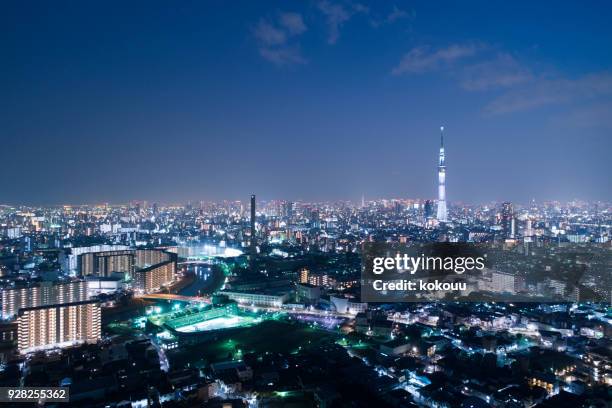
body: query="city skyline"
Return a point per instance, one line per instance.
(441, 202)
(210, 103)
(354, 202)
(326, 204)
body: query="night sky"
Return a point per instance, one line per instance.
(112, 101)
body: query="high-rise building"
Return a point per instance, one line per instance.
(74, 259)
(129, 262)
(508, 221)
(315, 219)
(442, 211)
(148, 257)
(304, 275)
(58, 325)
(154, 277)
(288, 210)
(253, 239)
(528, 234)
(13, 233)
(105, 263)
(428, 210)
(502, 282)
(319, 279)
(45, 293)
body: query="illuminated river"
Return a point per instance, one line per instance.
(203, 260)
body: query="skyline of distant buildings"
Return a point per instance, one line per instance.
(208, 205)
(62, 267)
(246, 263)
(441, 203)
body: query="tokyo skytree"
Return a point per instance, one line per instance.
(442, 212)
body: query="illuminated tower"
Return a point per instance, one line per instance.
(253, 239)
(442, 212)
(508, 221)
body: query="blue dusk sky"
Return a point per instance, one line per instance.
(109, 101)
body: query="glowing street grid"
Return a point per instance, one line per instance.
(324, 322)
(220, 323)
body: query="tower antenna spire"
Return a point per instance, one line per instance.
(442, 214)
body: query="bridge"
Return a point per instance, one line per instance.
(208, 262)
(178, 298)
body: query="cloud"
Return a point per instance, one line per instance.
(269, 35)
(546, 91)
(513, 86)
(292, 22)
(397, 14)
(520, 88)
(277, 39)
(424, 59)
(283, 55)
(394, 15)
(338, 14)
(501, 72)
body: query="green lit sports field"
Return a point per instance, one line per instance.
(270, 336)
